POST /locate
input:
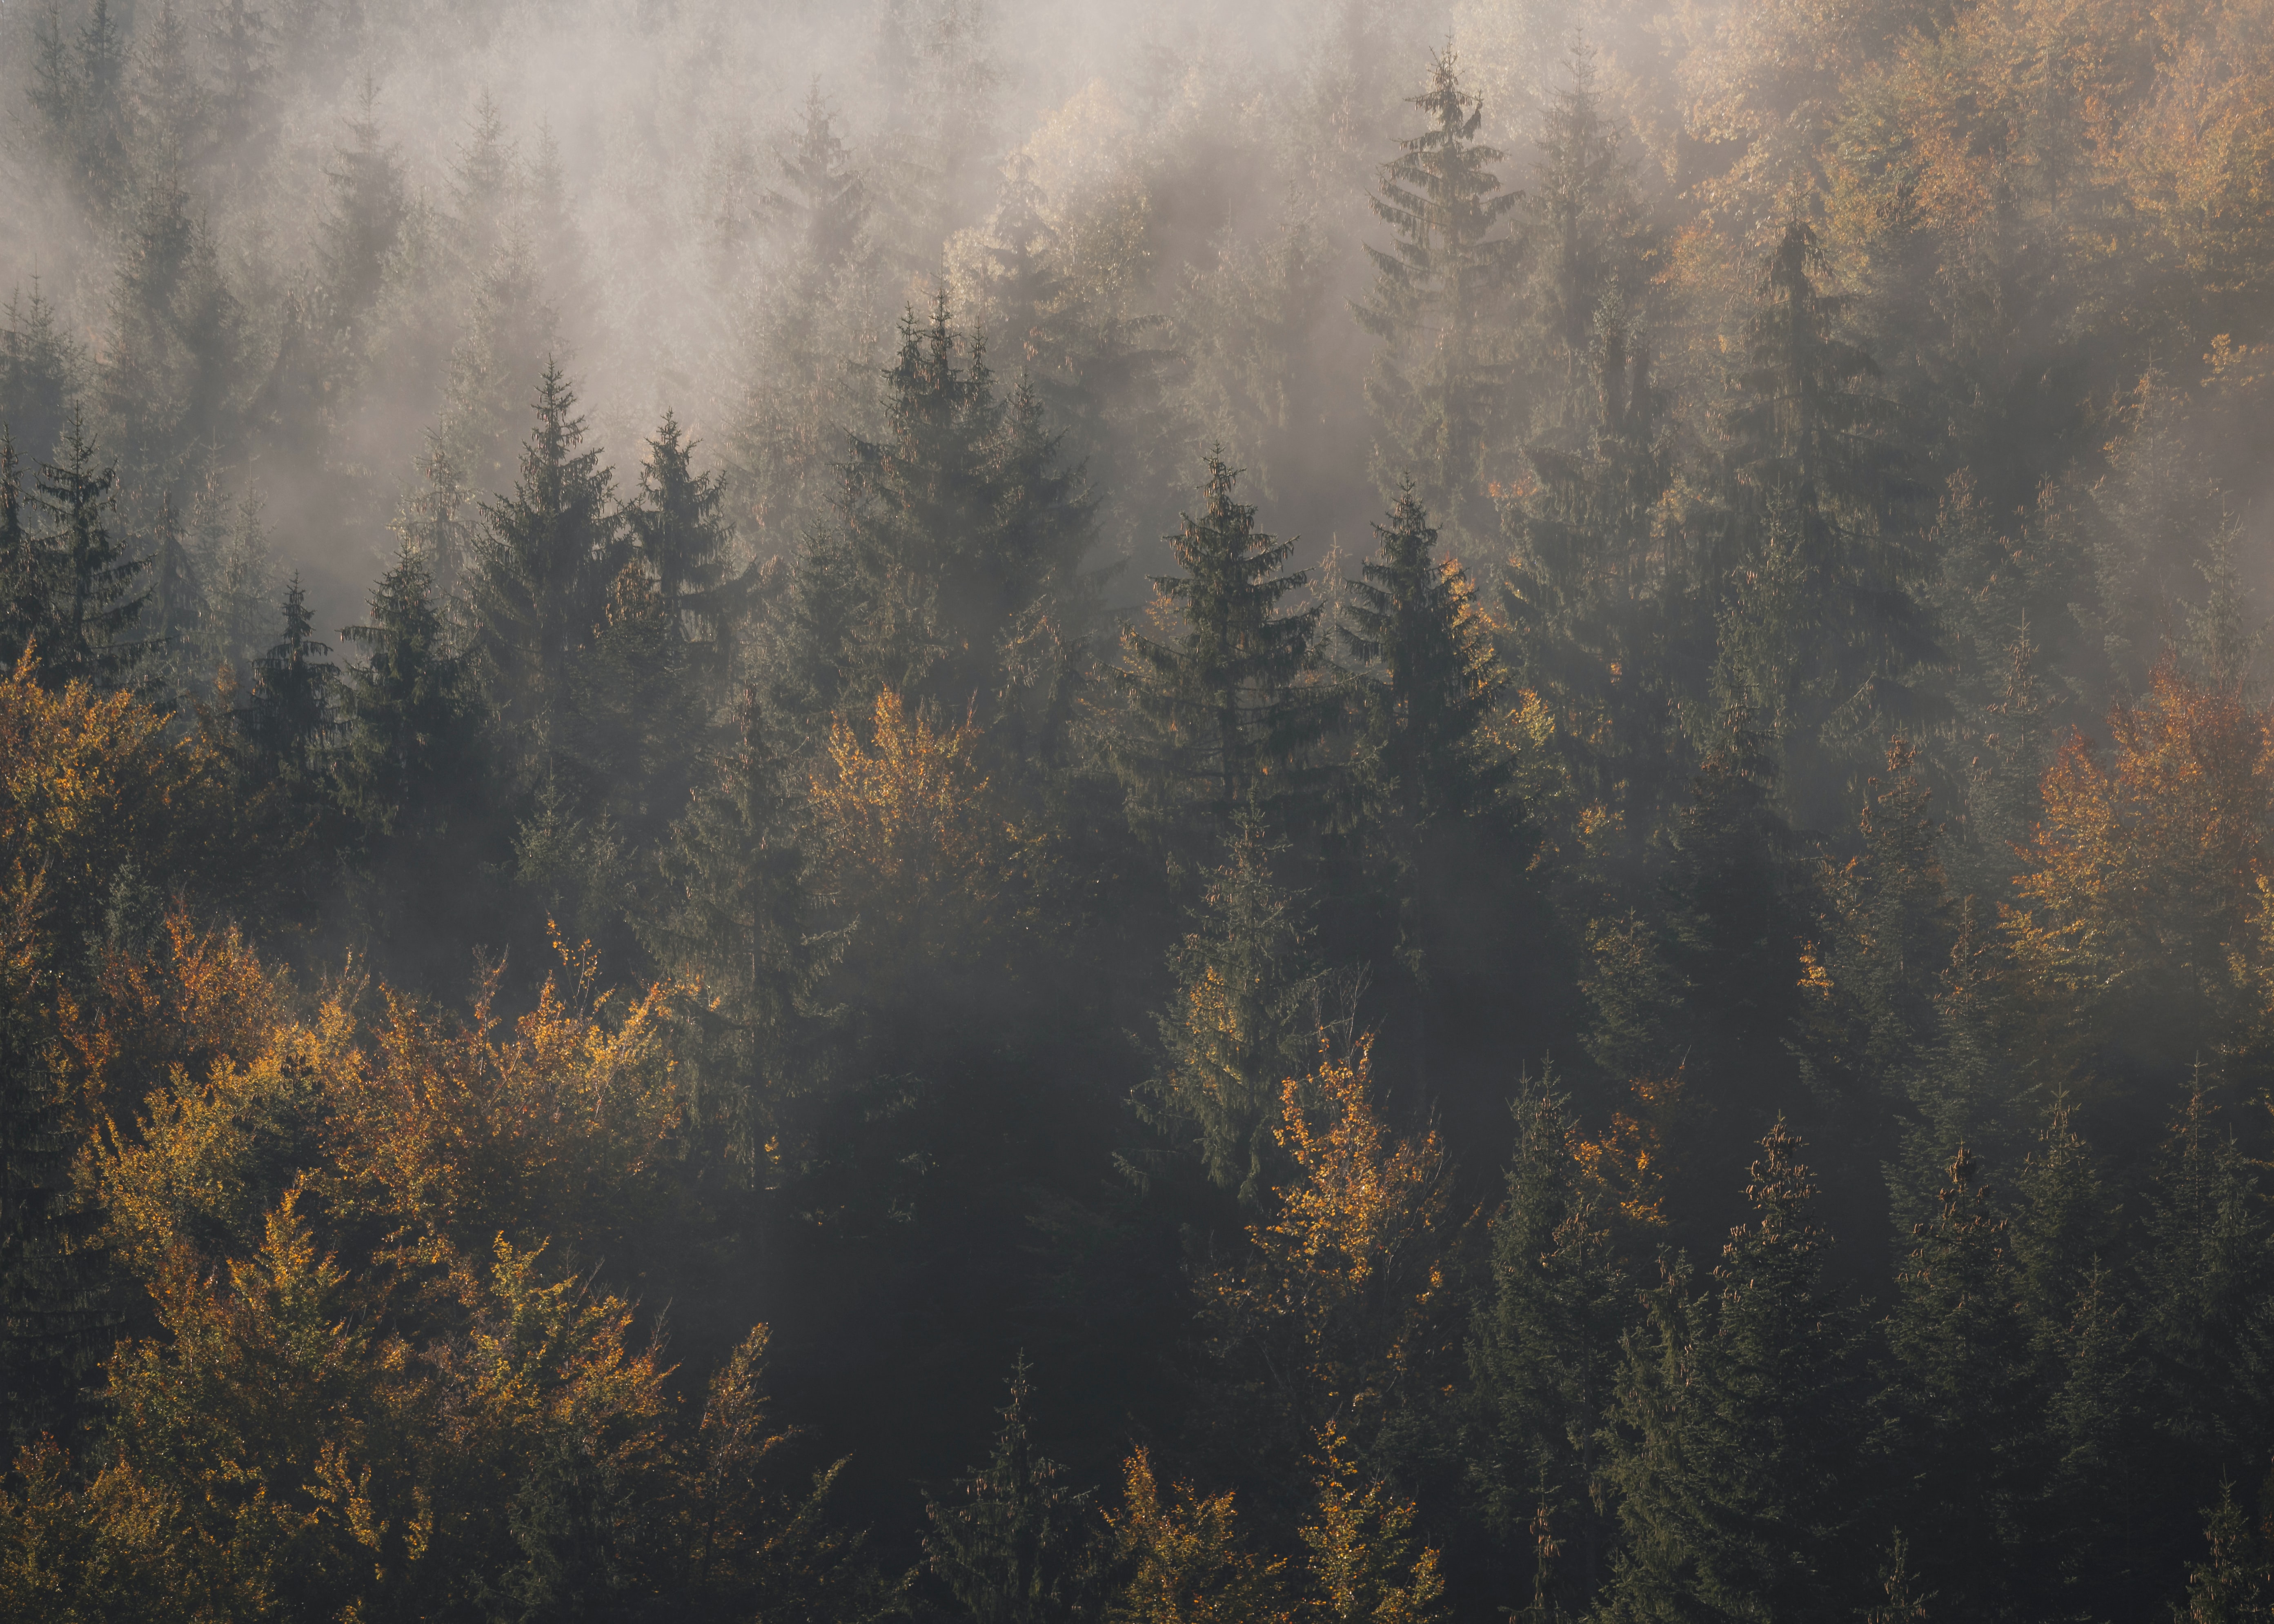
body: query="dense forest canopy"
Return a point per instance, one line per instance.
(952, 810)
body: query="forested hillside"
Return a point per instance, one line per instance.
(1392, 810)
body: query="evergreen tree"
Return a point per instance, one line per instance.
(1438, 385)
(1222, 714)
(39, 374)
(1543, 1349)
(1243, 1021)
(739, 915)
(1416, 619)
(408, 761)
(95, 604)
(237, 36)
(1733, 1437)
(177, 606)
(1016, 1546)
(1822, 641)
(290, 720)
(1960, 1412)
(541, 569)
(950, 527)
(638, 715)
(26, 569)
(681, 534)
(366, 216)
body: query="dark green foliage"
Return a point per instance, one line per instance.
(949, 531)
(738, 916)
(1016, 1546)
(1242, 1019)
(1439, 386)
(1543, 1352)
(39, 375)
(290, 720)
(408, 756)
(1223, 714)
(1960, 1418)
(678, 527)
(92, 606)
(1414, 619)
(368, 211)
(542, 565)
(1733, 1434)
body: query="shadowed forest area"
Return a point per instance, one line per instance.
(971, 810)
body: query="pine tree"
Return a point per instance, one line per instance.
(1222, 715)
(1416, 619)
(1733, 1439)
(177, 607)
(96, 605)
(738, 916)
(1016, 1546)
(1437, 385)
(541, 569)
(638, 714)
(169, 106)
(1544, 1344)
(289, 719)
(409, 761)
(239, 37)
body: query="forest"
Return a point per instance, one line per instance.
(1025, 813)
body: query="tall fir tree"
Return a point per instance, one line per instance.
(1735, 1433)
(1223, 714)
(1016, 1546)
(679, 528)
(1413, 618)
(409, 760)
(1543, 1352)
(96, 605)
(291, 719)
(40, 371)
(541, 569)
(1438, 384)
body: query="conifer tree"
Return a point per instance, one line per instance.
(681, 534)
(39, 375)
(26, 569)
(638, 714)
(239, 36)
(1222, 714)
(409, 761)
(739, 916)
(1438, 384)
(1733, 1438)
(1543, 1350)
(950, 527)
(366, 216)
(1016, 1545)
(1243, 1021)
(1961, 1416)
(541, 569)
(1415, 618)
(96, 606)
(176, 605)
(290, 720)
(1824, 637)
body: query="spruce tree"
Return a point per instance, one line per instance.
(27, 567)
(1733, 1436)
(409, 760)
(366, 216)
(1823, 508)
(96, 605)
(1016, 1545)
(1960, 1417)
(738, 914)
(681, 534)
(541, 569)
(1438, 386)
(39, 375)
(289, 719)
(1543, 1350)
(1415, 619)
(1222, 714)
(1242, 1021)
